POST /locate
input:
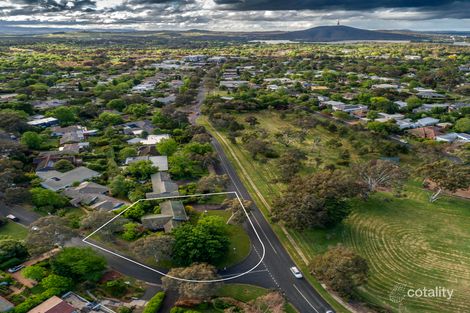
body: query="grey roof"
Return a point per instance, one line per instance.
(172, 215)
(5, 305)
(93, 195)
(54, 180)
(162, 186)
(174, 208)
(160, 161)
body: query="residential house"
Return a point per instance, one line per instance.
(427, 121)
(430, 95)
(233, 84)
(454, 137)
(83, 305)
(48, 104)
(162, 186)
(166, 100)
(92, 195)
(138, 127)
(150, 140)
(45, 161)
(54, 305)
(194, 58)
(428, 107)
(428, 132)
(5, 305)
(44, 122)
(385, 86)
(217, 59)
(159, 161)
(384, 117)
(401, 104)
(172, 215)
(55, 180)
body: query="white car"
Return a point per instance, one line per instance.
(12, 218)
(296, 272)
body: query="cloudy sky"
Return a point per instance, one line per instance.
(245, 15)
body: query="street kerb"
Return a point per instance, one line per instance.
(85, 240)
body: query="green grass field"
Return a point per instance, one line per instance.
(405, 240)
(13, 230)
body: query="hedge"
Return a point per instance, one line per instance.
(155, 303)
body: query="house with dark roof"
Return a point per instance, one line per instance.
(5, 305)
(172, 215)
(92, 195)
(162, 186)
(55, 180)
(46, 161)
(54, 305)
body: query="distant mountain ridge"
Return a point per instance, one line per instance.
(342, 33)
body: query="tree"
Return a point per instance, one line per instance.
(463, 125)
(212, 183)
(63, 166)
(167, 147)
(341, 269)
(116, 104)
(13, 121)
(155, 304)
(192, 290)
(31, 140)
(57, 281)
(158, 247)
(141, 170)
(107, 119)
(207, 241)
(34, 272)
(137, 110)
(235, 208)
(47, 200)
(48, 232)
(446, 175)
(80, 264)
(12, 249)
(379, 173)
(96, 219)
(65, 115)
(317, 200)
(289, 164)
(127, 152)
(120, 186)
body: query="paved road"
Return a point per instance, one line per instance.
(25, 216)
(277, 261)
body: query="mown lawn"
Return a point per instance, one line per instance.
(13, 230)
(406, 240)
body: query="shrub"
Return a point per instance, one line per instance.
(155, 303)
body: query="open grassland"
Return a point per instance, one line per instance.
(13, 230)
(405, 240)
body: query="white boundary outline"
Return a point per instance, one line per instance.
(85, 240)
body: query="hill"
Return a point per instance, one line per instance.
(341, 33)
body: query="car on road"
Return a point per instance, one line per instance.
(296, 272)
(15, 269)
(12, 217)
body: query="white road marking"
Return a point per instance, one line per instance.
(238, 190)
(305, 298)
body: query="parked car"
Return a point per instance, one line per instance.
(296, 272)
(15, 269)
(12, 217)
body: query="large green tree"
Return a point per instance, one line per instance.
(341, 269)
(80, 264)
(317, 200)
(207, 241)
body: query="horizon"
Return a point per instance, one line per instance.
(236, 15)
